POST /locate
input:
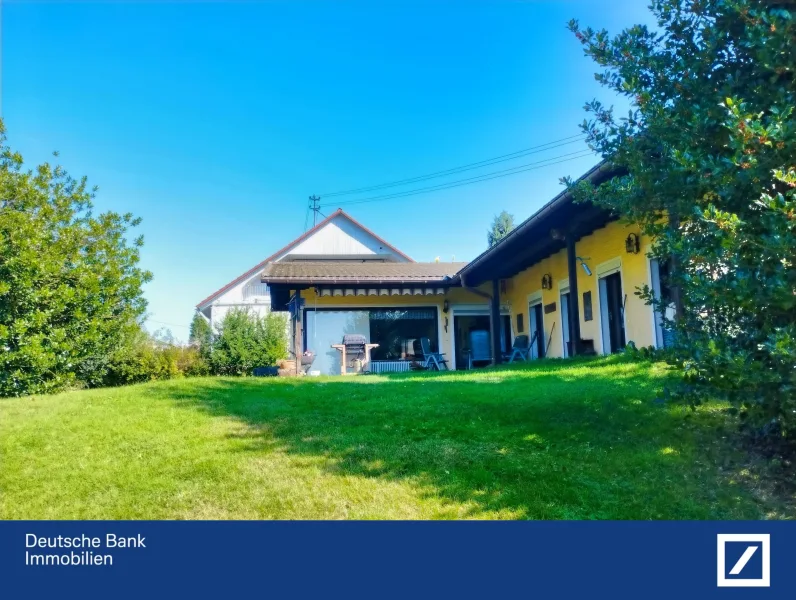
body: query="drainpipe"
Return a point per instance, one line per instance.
(475, 291)
(495, 322)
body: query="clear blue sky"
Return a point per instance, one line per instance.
(214, 122)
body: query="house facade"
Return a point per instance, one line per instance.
(565, 277)
(569, 273)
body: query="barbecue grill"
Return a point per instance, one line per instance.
(306, 361)
(355, 353)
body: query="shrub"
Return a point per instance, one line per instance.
(245, 341)
(143, 358)
(708, 154)
(69, 279)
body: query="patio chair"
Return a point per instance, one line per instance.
(480, 350)
(520, 349)
(429, 358)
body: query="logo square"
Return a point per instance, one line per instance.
(743, 560)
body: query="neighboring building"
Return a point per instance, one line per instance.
(566, 277)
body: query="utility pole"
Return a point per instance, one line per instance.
(316, 208)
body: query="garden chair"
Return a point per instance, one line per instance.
(520, 349)
(429, 358)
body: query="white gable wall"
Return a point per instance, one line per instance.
(341, 237)
(250, 293)
(338, 237)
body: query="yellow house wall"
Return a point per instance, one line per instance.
(600, 247)
(453, 296)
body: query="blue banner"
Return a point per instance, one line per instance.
(148, 559)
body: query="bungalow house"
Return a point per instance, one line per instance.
(341, 278)
(565, 277)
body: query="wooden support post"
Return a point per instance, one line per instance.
(574, 304)
(495, 322)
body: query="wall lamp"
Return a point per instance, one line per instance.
(547, 282)
(583, 264)
(632, 245)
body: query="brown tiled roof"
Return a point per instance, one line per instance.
(314, 272)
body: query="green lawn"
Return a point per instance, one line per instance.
(554, 440)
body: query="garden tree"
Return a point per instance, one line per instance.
(245, 341)
(200, 334)
(70, 284)
(707, 151)
(502, 224)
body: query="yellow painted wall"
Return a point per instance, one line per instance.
(453, 296)
(600, 247)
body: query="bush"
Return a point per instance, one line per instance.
(70, 281)
(707, 154)
(245, 341)
(143, 358)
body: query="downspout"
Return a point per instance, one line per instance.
(475, 291)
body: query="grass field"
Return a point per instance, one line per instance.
(553, 440)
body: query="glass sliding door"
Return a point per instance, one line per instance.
(326, 327)
(395, 330)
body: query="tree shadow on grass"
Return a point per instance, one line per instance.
(515, 442)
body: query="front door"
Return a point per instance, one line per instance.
(536, 330)
(612, 313)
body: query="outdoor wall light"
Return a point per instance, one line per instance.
(632, 245)
(446, 307)
(547, 281)
(583, 264)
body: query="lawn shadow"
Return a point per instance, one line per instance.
(549, 441)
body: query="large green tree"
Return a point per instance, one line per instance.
(708, 148)
(70, 284)
(502, 224)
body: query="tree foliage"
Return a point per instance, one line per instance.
(200, 335)
(708, 150)
(245, 341)
(70, 284)
(502, 224)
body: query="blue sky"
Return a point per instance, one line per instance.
(214, 122)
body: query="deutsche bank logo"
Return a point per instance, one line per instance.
(744, 559)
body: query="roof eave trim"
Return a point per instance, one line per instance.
(539, 215)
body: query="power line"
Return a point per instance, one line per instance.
(470, 180)
(468, 167)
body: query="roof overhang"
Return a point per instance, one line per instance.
(532, 240)
(282, 291)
